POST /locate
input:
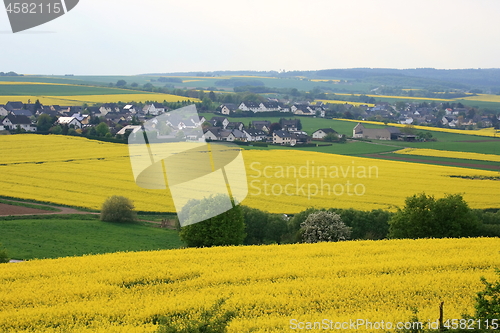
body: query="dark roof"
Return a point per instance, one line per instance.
(159, 105)
(251, 104)
(327, 130)
(393, 130)
(14, 105)
(18, 120)
(22, 112)
(261, 122)
(254, 132)
(234, 124)
(282, 134)
(230, 106)
(221, 119)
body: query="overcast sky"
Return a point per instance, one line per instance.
(107, 37)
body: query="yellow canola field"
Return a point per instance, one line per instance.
(271, 288)
(81, 172)
(480, 132)
(91, 99)
(449, 154)
(484, 98)
(328, 101)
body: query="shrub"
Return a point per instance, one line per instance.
(118, 209)
(423, 217)
(227, 228)
(324, 227)
(3, 256)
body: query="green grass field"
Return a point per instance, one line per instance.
(457, 162)
(76, 235)
(58, 90)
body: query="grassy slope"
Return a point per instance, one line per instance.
(58, 90)
(52, 238)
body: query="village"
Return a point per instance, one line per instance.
(114, 120)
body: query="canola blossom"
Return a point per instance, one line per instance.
(448, 154)
(80, 172)
(91, 99)
(267, 286)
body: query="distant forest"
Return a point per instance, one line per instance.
(487, 78)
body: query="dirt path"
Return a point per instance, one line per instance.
(12, 210)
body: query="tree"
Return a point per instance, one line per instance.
(56, 129)
(212, 96)
(274, 127)
(121, 83)
(102, 129)
(424, 217)
(118, 209)
(488, 301)
(3, 256)
(227, 228)
(324, 227)
(44, 123)
(134, 85)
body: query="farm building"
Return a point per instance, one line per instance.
(387, 133)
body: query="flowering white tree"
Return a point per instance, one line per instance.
(324, 227)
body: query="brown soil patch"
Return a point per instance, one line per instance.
(19, 210)
(466, 165)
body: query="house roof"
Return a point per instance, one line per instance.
(14, 105)
(393, 130)
(251, 104)
(18, 120)
(158, 105)
(21, 112)
(282, 134)
(326, 130)
(66, 120)
(254, 132)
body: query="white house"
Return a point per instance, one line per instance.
(3, 110)
(108, 107)
(249, 106)
(12, 122)
(70, 121)
(322, 133)
(129, 108)
(254, 134)
(282, 137)
(154, 109)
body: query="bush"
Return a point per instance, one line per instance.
(324, 227)
(227, 228)
(3, 256)
(425, 217)
(488, 301)
(118, 209)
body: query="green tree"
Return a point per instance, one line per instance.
(227, 228)
(44, 123)
(324, 227)
(37, 105)
(212, 96)
(102, 129)
(56, 129)
(121, 83)
(423, 217)
(118, 209)
(488, 301)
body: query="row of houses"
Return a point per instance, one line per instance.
(302, 109)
